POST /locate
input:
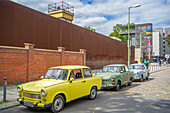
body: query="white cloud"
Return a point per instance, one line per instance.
(151, 11)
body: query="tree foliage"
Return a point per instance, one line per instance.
(168, 40)
(90, 28)
(116, 31)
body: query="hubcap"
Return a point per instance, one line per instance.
(58, 104)
(93, 93)
(118, 86)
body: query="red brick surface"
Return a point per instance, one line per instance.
(22, 65)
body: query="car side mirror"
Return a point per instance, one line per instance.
(121, 71)
(71, 79)
(41, 77)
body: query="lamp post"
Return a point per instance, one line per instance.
(137, 5)
(141, 45)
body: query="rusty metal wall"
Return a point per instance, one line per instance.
(20, 24)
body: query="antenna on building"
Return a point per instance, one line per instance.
(62, 11)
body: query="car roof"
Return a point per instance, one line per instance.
(70, 67)
(136, 64)
(116, 65)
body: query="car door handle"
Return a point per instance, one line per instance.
(84, 81)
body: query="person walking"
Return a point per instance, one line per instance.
(140, 61)
(146, 64)
(160, 62)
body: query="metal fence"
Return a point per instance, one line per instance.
(156, 67)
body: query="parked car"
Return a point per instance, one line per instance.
(60, 85)
(115, 75)
(140, 71)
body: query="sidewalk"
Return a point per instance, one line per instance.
(12, 93)
(11, 97)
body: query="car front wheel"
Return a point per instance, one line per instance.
(130, 82)
(118, 86)
(93, 93)
(58, 104)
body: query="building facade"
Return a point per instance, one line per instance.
(141, 33)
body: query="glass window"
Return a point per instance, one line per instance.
(57, 74)
(76, 74)
(114, 69)
(122, 69)
(135, 66)
(87, 73)
(149, 27)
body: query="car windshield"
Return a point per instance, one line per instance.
(135, 67)
(114, 69)
(57, 74)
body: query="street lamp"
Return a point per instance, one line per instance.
(134, 6)
(141, 45)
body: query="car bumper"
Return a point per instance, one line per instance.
(34, 105)
(108, 87)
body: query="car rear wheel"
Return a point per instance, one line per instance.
(147, 78)
(93, 93)
(130, 82)
(118, 86)
(58, 104)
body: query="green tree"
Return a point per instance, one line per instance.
(117, 29)
(90, 28)
(168, 40)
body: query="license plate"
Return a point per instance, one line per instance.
(103, 85)
(29, 104)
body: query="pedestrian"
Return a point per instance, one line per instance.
(146, 64)
(140, 61)
(164, 61)
(160, 62)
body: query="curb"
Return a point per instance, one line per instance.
(9, 105)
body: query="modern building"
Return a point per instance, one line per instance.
(143, 33)
(166, 48)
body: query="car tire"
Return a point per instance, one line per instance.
(130, 82)
(141, 79)
(93, 93)
(118, 86)
(58, 104)
(147, 78)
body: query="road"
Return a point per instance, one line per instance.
(152, 96)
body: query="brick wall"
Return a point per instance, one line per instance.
(20, 65)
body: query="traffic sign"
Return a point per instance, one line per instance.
(167, 55)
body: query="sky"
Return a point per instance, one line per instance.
(102, 15)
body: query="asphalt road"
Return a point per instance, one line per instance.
(109, 101)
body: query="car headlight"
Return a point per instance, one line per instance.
(43, 92)
(19, 88)
(112, 79)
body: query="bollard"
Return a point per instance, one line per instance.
(39, 76)
(4, 96)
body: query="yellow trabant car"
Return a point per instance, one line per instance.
(60, 85)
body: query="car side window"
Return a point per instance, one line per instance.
(76, 74)
(143, 67)
(87, 73)
(127, 69)
(122, 69)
